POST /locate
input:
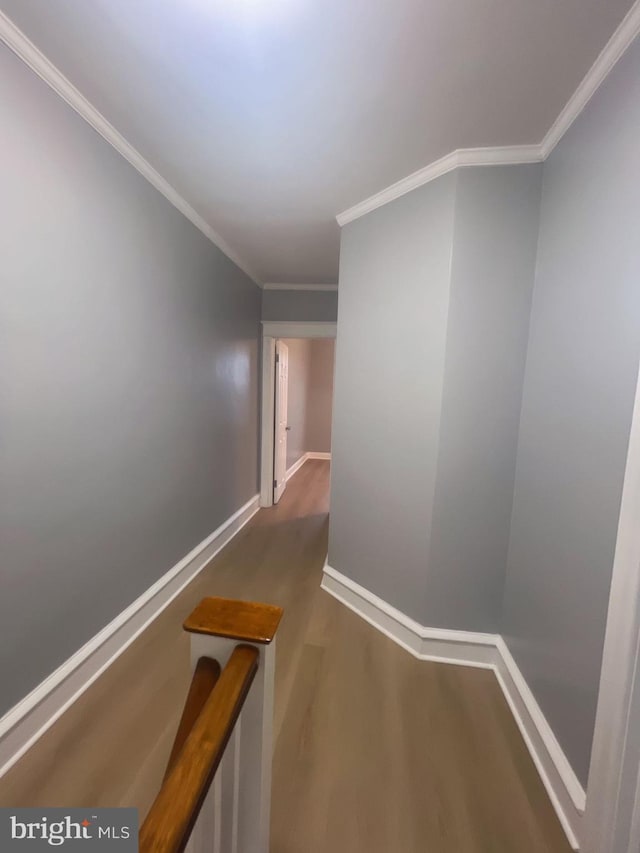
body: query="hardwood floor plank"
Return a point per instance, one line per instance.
(375, 751)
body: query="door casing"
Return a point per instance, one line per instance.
(280, 421)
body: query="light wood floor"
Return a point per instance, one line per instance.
(375, 752)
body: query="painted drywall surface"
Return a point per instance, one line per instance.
(128, 351)
(310, 396)
(303, 306)
(297, 398)
(493, 263)
(320, 402)
(580, 380)
(394, 294)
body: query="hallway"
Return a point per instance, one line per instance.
(374, 750)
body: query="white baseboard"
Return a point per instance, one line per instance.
(437, 644)
(304, 458)
(563, 786)
(27, 721)
(296, 467)
(489, 651)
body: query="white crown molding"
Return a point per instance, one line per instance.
(611, 53)
(487, 651)
(622, 38)
(516, 154)
(276, 286)
(17, 41)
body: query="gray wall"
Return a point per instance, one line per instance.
(435, 293)
(580, 381)
(310, 400)
(297, 398)
(494, 248)
(319, 306)
(499, 484)
(128, 401)
(320, 402)
(394, 295)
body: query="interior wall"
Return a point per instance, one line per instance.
(579, 388)
(390, 355)
(493, 262)
(310, 396)
(128, 361)
(435, 294)
(320, 404)
(488, 427)
(301, 306)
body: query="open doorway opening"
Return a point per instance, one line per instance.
(303, 405)
(297, 404)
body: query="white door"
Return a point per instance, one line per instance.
(280, 448)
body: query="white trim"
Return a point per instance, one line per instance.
(611, 53)
(609, 815)
(296, 467)
(270, 285)
(516, 154)
(27, 721)
(488, 651)
(298, 329)
(437, 644)
(18, 42)
(305, 458)
(454, 160)
(562, 785)
(622, 38)
(267, 420)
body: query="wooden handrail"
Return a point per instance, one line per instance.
(205, 677)
(176, 808)
(239, 805)
(246, 621)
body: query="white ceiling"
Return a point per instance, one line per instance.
(271, 116)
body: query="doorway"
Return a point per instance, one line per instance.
(297, 393)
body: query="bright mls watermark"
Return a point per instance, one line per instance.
(100, 830)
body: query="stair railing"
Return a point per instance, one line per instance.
(216, 793)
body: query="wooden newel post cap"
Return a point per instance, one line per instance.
(247, 621)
